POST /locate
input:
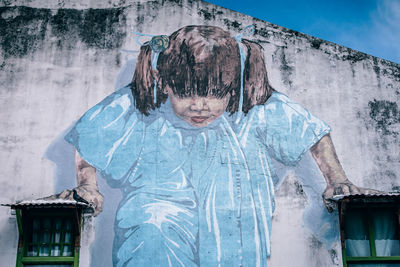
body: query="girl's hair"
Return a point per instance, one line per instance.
(201, 61)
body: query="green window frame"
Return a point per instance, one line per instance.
(48, 236)
(365, 209)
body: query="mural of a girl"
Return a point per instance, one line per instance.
(189, 142)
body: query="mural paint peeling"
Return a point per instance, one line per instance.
(190, 142)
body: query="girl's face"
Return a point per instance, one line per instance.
(196, 110)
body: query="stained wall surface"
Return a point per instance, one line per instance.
(59, 58)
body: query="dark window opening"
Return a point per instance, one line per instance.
(49, 235)
(370, 231)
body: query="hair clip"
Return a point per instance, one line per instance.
(248, 30)
(159, 43)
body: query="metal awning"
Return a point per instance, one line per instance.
(47, 203)
(369, 197)
(50, 204)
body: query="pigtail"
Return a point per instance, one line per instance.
(255, 81)
(143, 82)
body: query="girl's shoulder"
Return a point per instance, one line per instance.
(277, 102)
(281, 103)
(280, 109)
(121, 97)
(278, 97)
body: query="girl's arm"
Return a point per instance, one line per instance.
(337, 182)
(87, 186)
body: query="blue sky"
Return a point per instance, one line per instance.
(370, 26)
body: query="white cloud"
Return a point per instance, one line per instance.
(380, 36)
(384, 33)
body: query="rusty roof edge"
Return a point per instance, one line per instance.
(47, 202)
(338, 198)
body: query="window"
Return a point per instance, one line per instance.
(49, 233)
(370, 231)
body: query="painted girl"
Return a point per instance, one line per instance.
(189, 142)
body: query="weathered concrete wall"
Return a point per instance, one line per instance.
(58, 58)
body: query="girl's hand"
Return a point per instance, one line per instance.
(82, 194)
(344, 188)
(93, 196)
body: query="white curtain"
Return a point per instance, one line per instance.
(386, 241)
(356, 230)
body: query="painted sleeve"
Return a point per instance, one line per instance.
(109, 136)
(289, 130)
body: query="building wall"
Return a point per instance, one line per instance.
(59, 58)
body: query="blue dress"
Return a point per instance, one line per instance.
(193, 196)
